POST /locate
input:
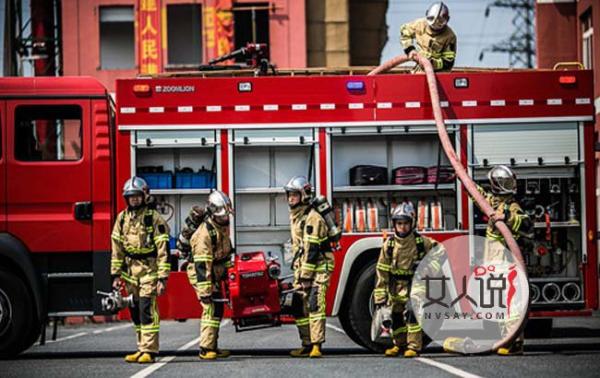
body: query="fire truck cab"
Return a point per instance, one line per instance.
(57, 201)
(64, 158)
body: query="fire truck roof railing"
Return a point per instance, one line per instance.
(319, 71)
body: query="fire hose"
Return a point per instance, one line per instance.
(515, 329)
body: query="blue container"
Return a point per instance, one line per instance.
(207, 178)
(201, 180)
(172, 243)
(185, 180)
(163, 180)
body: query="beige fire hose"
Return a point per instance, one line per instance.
(515, 329)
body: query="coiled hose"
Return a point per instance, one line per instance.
(515, 330)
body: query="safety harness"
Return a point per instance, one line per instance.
(299, 253)
(405, 274)
(144, 252)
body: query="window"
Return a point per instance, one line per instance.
(587, 38)
(48, 133)
(117, 43)
(184, 34)
(251, 24)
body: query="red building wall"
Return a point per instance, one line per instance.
(81, 35)
(556, 28)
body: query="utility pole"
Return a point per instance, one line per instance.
(520, 45)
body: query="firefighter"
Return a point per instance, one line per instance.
(316, 265)
(140, 251)
(298, 191)
(503, 183)
(211, 256)
(395, 268)
(435, 40)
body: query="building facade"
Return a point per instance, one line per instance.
(109, 39)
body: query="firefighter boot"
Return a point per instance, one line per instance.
(316, 351)
(301, 352)
(206, 354)
(516, 349)
(146, 358)
(221, 353)
(133, 357)
(410, 353)
(393, 351)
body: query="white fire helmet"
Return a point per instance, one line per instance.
(503, 180)
(437, 15)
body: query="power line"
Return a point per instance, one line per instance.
(520, 45)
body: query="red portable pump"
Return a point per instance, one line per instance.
(254, 291)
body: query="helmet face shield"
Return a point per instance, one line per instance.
(506, 184)
(436, 23)
(223, 212)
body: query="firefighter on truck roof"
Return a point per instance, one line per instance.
(211, 256)
(140, 252)
(435, 40)
(395, 268)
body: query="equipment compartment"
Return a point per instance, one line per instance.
(551, 197)
(180, 168)
(547, 159)
(263, 162)
(367, 208)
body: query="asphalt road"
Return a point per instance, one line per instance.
(97, 351)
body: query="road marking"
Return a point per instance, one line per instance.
(96, 332)
(99, 331)
(335, 328)
(67, 337)
(447, 368)
(163, 361)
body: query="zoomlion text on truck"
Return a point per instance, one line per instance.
(367, 143)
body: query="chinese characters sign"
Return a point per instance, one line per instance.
(149, 36)
(218, 28)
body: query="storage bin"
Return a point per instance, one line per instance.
(162, 180)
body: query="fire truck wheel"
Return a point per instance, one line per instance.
(344, 316)
(15, 315)
(360, 309)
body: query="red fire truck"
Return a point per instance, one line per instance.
(66, 149)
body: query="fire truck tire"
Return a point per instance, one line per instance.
(538, 328)
(347, 325)
(16, 309)
(360, 308)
